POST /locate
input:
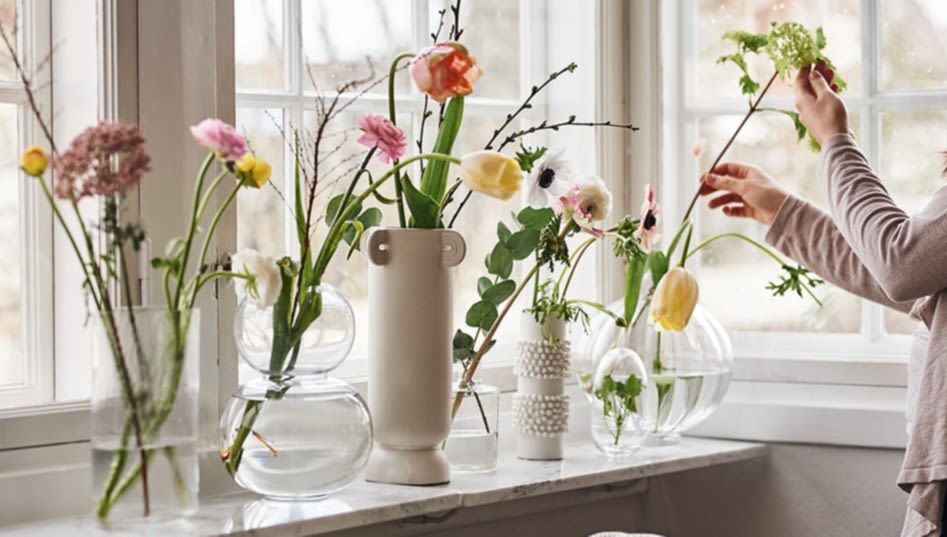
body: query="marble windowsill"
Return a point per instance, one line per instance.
(365, 504)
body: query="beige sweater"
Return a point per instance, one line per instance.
(873, 249)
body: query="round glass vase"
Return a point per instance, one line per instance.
(619, 420)
(688, 372)
(474, 435)
(295, 433)
(145, 376)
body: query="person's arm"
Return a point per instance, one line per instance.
(808, 235)
(907, 255)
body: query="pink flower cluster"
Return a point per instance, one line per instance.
(381, 133)
(104, 160)
(221, 138)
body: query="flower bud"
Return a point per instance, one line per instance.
(255, 169)
(674, 300)
(491, 173)
(34, 161)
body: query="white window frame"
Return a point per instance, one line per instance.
(780, 376)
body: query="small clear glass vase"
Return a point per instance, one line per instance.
(145, 375)
(472, 445)
(295, 433)
(620, 418)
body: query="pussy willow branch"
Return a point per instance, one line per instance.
(753, 108)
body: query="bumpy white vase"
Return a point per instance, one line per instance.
(540, 406)
(410, 320)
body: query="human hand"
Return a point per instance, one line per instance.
(749, 192)
(820, 108)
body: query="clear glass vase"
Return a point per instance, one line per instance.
(620, 418)
(688, 371)
(472, 443)
(144, 414)
(295, 433)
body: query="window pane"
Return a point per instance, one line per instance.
(839, 19)
(11, 297)
(338, 36)
(734, 274)
(492, 33)
(911, 164)
(258, 44)
(912, 52)
(260, 212)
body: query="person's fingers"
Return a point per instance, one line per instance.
(706, 189)
(733, 169)
(818, 83)
(738, 211)
(803, 87)
(730, 184)
(725, 199)
(835, 87)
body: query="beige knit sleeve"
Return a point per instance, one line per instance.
(808, 235)
(906, 255)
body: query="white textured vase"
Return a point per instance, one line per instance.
(410, 295)
(540, 406)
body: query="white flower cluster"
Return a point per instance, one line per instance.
(541, 415)
(539, 359)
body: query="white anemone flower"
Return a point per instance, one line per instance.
(549, 179)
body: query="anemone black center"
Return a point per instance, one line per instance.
(546, 178)
(649, 220)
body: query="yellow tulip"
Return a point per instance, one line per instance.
(491, 173)
(255, 169)
(674, 300)
(34, 161)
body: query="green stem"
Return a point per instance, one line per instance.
(210, 235)
(192, 229)
(393, 117)
(573, 263)
(657, 365)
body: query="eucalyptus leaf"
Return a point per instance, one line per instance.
(500, 261)
(498, 293)
(535, 218)
(503, 232)
(483, 284)
(523, 243)
(482, 315)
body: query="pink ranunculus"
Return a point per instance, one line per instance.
(220, 138)
(445, 70)
(380, 133)
(648, 232)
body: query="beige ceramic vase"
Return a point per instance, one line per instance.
(410, 290)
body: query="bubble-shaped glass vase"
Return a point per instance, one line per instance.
(620, 420)
(688, 371)
(295, 433)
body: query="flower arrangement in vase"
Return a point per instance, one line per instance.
(683, 353)
(145, 370)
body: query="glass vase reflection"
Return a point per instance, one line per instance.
(688, 371)
(295, 433)
(472, 443)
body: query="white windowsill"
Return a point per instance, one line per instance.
(368, 504)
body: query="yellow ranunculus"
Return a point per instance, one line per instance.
(491, 173)
(255, 169)
(34, 161)
(674, 300)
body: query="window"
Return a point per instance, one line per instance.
(26, 367)
(890, 52)
(279, 44)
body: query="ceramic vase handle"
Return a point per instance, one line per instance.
(454, 249)
(376, 246)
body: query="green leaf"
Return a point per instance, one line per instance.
(424, 208)
(658, 265)
(434, 180)
(523, 243)
(482, 315)
(819, 38)
(497, 294)
(535, 218)
(527, 157)
(503, 232)
(500, 261)
(334, 207)
(634, 272)
(483, 284)
(299, 212)
(463, 346)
